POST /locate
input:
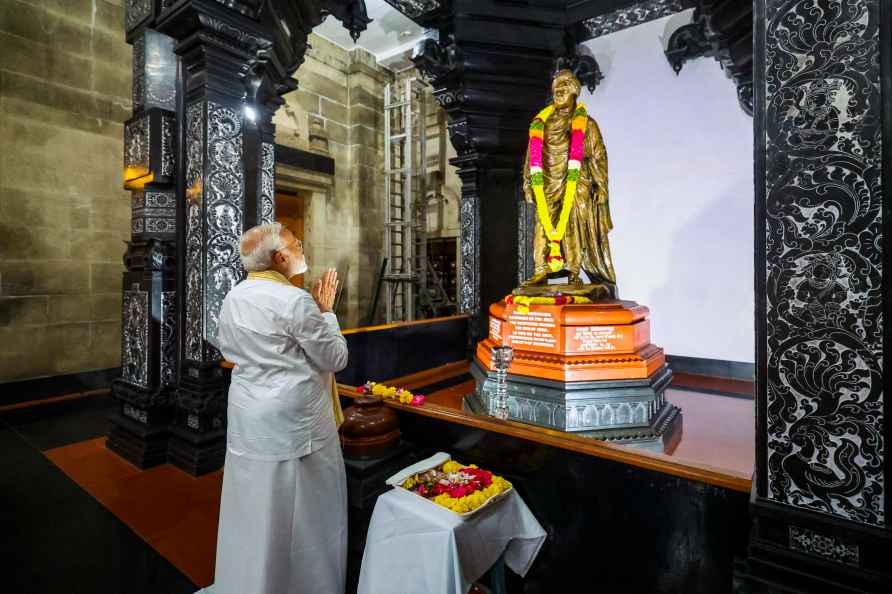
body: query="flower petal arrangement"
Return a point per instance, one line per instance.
(388, 392)
(457, 487)
(523, 302)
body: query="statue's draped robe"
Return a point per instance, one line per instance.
(585, 244)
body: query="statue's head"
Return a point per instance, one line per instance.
(565, 87)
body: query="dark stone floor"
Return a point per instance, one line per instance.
(55, 537)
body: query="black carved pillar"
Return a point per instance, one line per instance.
(139, 425)
(823, 113)
(490, 69)
(235, 60)
(217, 47)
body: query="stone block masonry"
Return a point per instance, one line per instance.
(64, 93)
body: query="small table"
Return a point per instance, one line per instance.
(417, 547)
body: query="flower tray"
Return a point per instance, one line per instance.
(463, 507)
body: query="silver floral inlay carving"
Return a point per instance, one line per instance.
(214, 219)
(824, 256)
(469, 290)
(167, 142)
(414, 8)
(135, 338)
(139, 74)
(829, 547)
(154, 212)
(160, 226)
(135, 11)
(629, 17)
(166, 200)
(137, 414)
(243, 37)
(194, 338)
(157, 257)
(192, 421)
(268, 184)
(224, 206)
(136, 145)
(168, 324)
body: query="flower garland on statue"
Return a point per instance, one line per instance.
(537, 179)
(457, 487)
(403, 395)
(524, 302)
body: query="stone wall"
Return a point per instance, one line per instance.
(340, 98)
(64, 217)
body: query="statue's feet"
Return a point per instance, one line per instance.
(536, 279)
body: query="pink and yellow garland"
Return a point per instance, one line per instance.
(577, 149)
(524, 302)
(403, 395)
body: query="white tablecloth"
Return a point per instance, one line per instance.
(417, 547)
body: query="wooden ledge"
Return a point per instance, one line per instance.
(728, 479)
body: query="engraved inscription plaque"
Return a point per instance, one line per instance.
(535, 330)
(595, 339)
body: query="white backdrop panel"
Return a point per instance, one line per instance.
(680, 153)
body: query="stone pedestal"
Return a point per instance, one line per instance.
(138, 429)
(198, 430)
(585, 368)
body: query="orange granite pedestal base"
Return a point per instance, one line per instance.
(587, 368)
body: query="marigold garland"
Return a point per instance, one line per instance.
(524, 302)
(554, 234)
(382, 391)
(456, 486)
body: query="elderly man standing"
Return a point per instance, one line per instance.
(283, 512)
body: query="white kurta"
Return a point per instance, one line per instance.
(283, 512)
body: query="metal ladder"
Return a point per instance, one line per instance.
(405, 172)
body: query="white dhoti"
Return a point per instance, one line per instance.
(283, 525)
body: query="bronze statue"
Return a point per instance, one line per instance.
(581, 248)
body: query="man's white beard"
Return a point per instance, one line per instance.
(299, 268)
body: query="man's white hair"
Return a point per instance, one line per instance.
(258, 245)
